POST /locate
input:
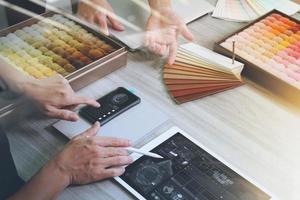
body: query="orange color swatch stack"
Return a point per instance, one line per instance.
(199, 72)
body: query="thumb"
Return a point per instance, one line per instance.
(116, 24)
(92, 131)
(112, 18)
(186, 33)
(102, 20)
(172, 53)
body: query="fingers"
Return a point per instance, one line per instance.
(102, 20)
(160, 49)
(117, 161)
(115, 24)
(153, 48)
(154, 45)
(172, 53)
(112, 142)
(70, 107)
(113, 172)
(160, 41)
(148, 39)
(84, 100)
(106, 142)
(67, 98)
(186, 33)
(109, 172)
(92, 131)
(163, 49)
(113, 151)
(64, 114)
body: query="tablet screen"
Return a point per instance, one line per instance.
(187, 172)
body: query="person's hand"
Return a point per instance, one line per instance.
(56, 97)
(85, 159)
(162, 31)
(88, 158)
(99, 12)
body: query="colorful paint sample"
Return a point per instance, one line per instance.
(42, 49)
(272, 44)
(199, 72)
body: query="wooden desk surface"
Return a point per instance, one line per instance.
(247, 126)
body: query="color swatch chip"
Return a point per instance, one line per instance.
(44, 49)
(248, 10)
(272, 44)
(199, 72)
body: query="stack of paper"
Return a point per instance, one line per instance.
(199, 72)
(247, 10)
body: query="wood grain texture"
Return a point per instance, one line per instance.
(249, 127)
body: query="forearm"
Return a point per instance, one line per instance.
(47, 184)
(14, 79)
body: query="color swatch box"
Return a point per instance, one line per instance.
(270, 49)
(59, 45)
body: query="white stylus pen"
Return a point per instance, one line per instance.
(154, 155)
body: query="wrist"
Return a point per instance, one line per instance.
(57, 173)
(13, 78)
(23, 84)
(160, 6)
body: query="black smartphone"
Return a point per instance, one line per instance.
(112, 104)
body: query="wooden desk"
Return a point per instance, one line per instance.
(247, 126)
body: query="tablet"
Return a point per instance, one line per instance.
(188, 171)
